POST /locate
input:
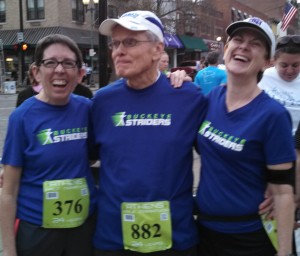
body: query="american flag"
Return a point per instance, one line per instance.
(289, 12)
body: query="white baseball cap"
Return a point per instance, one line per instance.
(135, 21)
(257, 24)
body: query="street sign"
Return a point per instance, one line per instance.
(20, 37)
(92, 52)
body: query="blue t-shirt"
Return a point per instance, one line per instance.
(49, 143)
(235, 149)
(209, 78)
(146, 139)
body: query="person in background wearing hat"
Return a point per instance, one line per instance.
(145, 131)
(246, 145)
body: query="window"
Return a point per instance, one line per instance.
(77, 11)
(35, 9)
(2, 11)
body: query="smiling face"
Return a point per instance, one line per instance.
(288, 66)
(140, 60)
(58, 83)
(246, 53)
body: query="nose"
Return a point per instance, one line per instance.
(244, 45)
(59, 68)
(290, 69)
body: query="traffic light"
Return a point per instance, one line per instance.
(24, 47)
(16, 47)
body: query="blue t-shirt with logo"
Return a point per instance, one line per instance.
(235, 149)
(49, 143)
(145, 139)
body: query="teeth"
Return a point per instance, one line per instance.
(239, 57)
(59, 82)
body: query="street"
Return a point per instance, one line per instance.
(7, 105)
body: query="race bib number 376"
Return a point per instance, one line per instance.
(146, 226)
(65, 203)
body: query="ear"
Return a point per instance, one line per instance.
(225, 50)
(36, 73)
(159, 48)
(81, 73)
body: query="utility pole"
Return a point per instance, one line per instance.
(103, 49)
(21, 53)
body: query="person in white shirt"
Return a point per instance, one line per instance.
(282, 82)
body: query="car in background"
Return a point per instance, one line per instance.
(191, 67)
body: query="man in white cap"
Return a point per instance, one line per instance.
(145, 131)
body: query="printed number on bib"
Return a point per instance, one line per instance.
(146, 226)
(66, 203)
(66, 207)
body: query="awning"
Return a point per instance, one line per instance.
(193, 43)
(172, 41)
(33, 35)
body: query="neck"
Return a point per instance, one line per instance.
(143, 81)
(240, 92)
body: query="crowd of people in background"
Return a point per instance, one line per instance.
(143, 129)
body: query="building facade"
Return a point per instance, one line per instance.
(194, 20)
(40, 18)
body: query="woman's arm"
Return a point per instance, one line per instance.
(284, 207)
(9, 195)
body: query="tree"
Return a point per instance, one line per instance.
(171, 12)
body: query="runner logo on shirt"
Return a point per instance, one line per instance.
(223, 139)
(47, 136)
(123, 119)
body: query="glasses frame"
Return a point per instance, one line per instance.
(127, 43)
(62, 63)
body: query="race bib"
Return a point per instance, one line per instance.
(65, 203)
(146, 226)
(271, 228)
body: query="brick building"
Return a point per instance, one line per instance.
(41, 18)
(206, 20)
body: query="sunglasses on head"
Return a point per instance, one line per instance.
(288, 41)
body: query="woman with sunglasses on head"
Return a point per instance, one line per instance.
(48, 195)
(246, 145)
(282, 82)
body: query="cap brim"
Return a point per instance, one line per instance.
(236, 26)
(107, 26)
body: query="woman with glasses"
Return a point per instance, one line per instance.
(282, 82)
(48, 197)
(246, 145)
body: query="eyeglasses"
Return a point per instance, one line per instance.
(288, 41)
(127, 43)
(52, 63)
